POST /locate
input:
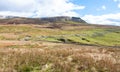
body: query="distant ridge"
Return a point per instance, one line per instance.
(63, 18)
(24, 20)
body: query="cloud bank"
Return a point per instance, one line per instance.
(39, 8)
(108, 19)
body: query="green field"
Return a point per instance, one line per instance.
(93, 36)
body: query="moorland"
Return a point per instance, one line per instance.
(58, 46)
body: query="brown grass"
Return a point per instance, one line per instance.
(81, 59)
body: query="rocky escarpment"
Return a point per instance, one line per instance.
(23, 20)
(63, 19)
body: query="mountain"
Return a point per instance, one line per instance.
(7, 17)
(23, 20)
(2, 17)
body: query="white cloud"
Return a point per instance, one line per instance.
(108, 19)
(39, 8)
(9, 13)
(114, 0)
(118, 5)
(102, 8)
(118, 1)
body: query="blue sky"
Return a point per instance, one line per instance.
(98, 7)
(105, 12)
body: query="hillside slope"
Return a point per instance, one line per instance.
(58, 46)
(70, 48)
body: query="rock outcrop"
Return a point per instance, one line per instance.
(63, 19)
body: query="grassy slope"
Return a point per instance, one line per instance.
(24, 48)
(96, 36)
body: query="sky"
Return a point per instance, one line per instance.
(105, 12)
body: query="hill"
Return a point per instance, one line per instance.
(58, 44)
(23, 20)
